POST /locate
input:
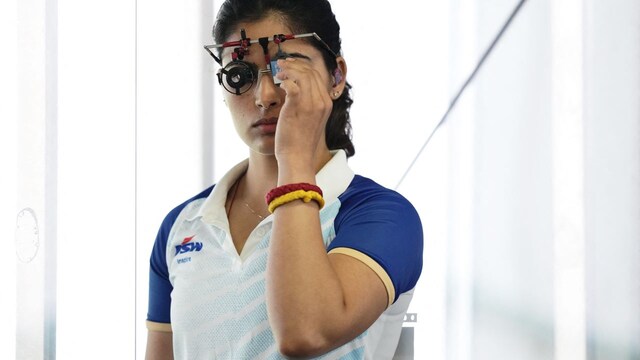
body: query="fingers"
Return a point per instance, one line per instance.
(305, 87)
(298, 76)
(305, 111)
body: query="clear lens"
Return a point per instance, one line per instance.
(275, 69)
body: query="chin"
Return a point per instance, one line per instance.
(267, 149)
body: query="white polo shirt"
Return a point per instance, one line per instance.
(213, 299)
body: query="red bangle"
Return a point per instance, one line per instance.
(285, 189)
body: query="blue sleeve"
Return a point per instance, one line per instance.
(160, 287)
(383, 225)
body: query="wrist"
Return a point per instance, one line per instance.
(296, 171)
(285, 194)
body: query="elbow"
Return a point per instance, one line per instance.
(301, 344)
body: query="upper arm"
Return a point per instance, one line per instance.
(383, 233)
(376, 254)
(159, 345)
(160, 287)
(160, 337)
(364, 294)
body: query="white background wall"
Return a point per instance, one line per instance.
(528, 195)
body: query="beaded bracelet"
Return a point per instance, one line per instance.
(291, 192)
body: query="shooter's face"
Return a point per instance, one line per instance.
(255, 111)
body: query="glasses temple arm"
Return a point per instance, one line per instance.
(217, 59)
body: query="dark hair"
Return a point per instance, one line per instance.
(302, 16)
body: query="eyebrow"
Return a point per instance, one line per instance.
(298, 55)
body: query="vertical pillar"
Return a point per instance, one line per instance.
(612, 178)
(37, 180)
(568, 178)
(207, 81)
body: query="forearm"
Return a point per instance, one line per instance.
(305, 297)
(159, 346)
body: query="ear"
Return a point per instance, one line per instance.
(339, 77)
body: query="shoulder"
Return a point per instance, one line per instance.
(175, 212)
(363, 188)
(170, 218)
(364, 195)
(160, 244)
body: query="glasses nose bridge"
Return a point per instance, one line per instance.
(262, 73)
(265, 91)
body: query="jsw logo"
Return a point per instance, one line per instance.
(188, 246)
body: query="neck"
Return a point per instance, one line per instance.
(262, 174)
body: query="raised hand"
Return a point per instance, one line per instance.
(304, 114)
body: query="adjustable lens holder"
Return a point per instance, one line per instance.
(236, 77)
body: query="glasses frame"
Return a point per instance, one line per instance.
(246, 42)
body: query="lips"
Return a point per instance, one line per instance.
(266, 126)
(266, 121)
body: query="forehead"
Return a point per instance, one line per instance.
(267, 26)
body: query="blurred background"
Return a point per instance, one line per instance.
(529, 192)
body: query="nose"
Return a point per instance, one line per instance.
(267, 94)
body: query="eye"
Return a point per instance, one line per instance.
(237, 77)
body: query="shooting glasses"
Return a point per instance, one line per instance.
(238, 76)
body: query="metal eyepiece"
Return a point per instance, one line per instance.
(236, 77)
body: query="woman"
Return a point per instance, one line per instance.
(331, 271)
